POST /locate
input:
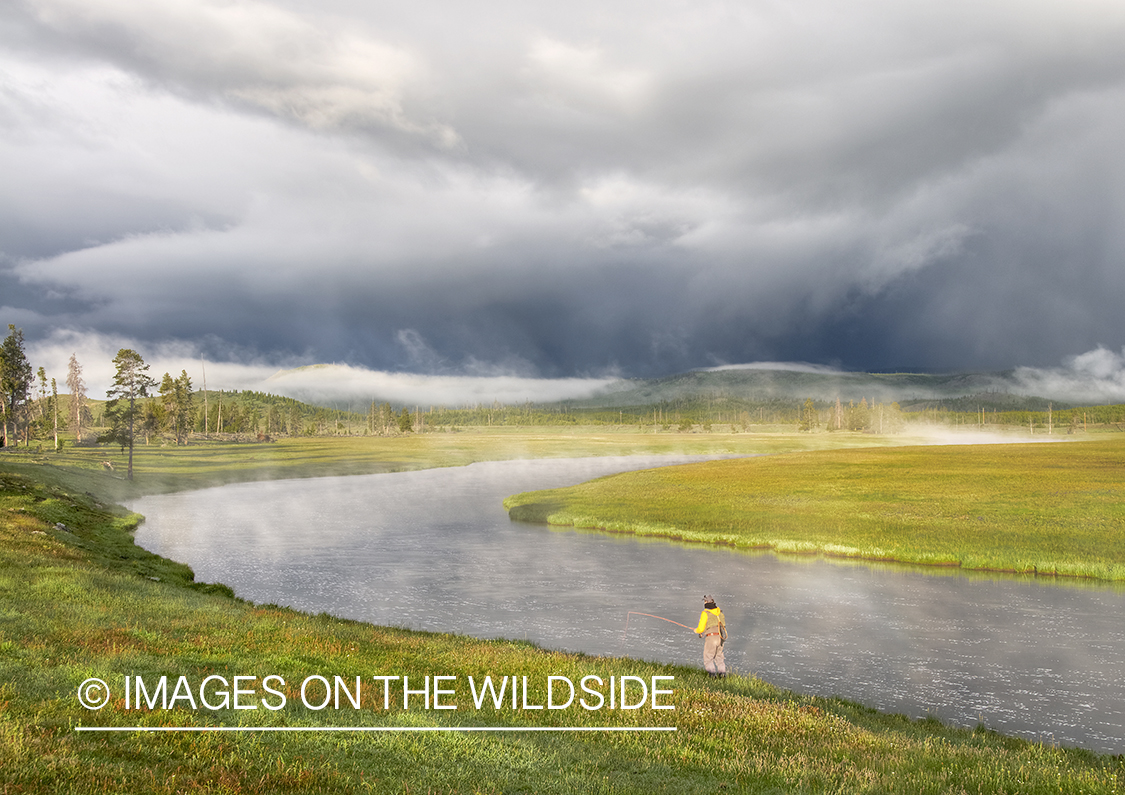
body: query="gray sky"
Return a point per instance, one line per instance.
(575, 190)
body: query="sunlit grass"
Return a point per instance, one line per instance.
(1032, 508)
(204, 463)
(78, 603)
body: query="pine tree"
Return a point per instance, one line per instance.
(808, 419)
(15, 380)
(858, 417)
(130, 383)
(177, 398)
(168, 401)
(42, 417)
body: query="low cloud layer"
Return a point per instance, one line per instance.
(629, 189)
(1094, 377)
(95, 353)
(331, 384)
(323, 384)
(1097, 376)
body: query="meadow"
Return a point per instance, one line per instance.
(83, 602)
(1048, 509)
(165, 467)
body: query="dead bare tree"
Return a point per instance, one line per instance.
(77, 395)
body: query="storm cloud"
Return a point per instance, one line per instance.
(581, 192)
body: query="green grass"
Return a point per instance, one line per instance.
(202, 464)
(1051, 509)
(83, 602)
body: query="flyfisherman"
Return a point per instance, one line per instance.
(712, 628)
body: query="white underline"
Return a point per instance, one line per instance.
(375, 728)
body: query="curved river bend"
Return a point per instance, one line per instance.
(435, 550)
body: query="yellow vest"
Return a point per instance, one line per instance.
(711, 621)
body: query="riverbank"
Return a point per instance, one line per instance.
(1049, 509)
(80, 601)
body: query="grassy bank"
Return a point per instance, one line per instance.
(80, 601)
(1052, 509)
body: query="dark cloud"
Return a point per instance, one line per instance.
(632, 188)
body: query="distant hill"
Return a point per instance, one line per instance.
(957, 391)
(342, 387)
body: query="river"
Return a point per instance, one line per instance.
(435, 550)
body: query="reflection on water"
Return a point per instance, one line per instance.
(434, 550)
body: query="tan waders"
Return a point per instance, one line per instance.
(713, 629)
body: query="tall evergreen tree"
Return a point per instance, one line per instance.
(176, 398)
(185, 399)
(42, 405)
(130, 383)
(15, 381)
(168, 401)
(809, 420)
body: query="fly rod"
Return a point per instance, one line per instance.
(650, 615)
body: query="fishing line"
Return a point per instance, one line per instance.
(650, 615)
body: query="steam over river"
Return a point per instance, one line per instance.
(435, 550)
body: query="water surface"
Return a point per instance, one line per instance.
(435, 550)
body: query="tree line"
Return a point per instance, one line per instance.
(28, 402)
(138, 407)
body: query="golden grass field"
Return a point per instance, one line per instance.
(1049, 508)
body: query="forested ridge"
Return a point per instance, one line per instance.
(173, 411)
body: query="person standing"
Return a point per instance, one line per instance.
(712, 628)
